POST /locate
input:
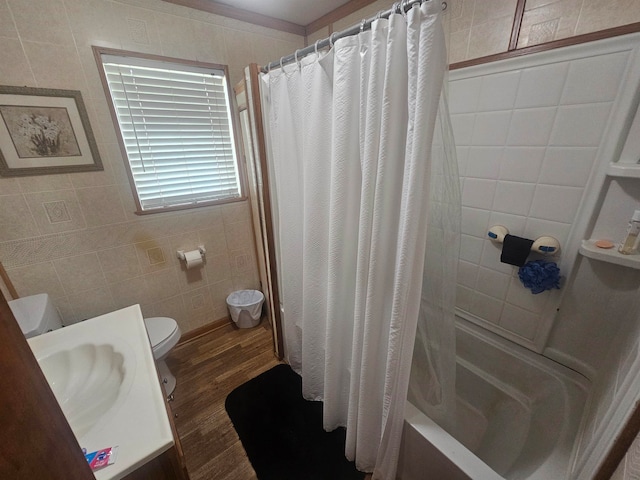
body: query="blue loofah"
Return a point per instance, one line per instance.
(539, 276)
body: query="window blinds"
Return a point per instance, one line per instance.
(176, 127)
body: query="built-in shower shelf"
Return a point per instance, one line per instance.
(627, 170)
(611, 255)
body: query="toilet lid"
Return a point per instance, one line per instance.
(159, 329)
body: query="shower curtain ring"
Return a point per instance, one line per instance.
(281, 59)
(295, 57)
(316, 46)
(403, 8)
(331, 41)
(363, 24)
(379, 14)
(396, 6)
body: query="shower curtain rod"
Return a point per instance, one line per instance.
(401, 6)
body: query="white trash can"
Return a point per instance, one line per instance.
(245, 307)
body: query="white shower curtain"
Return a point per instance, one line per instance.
(350, 137)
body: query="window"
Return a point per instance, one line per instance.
(176, 129)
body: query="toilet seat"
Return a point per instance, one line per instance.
(163, 333)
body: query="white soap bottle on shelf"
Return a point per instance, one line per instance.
(629, 244)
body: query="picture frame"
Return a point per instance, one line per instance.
(45, 131)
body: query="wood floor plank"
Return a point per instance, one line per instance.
(207, 369)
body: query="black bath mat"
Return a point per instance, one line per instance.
(282, 432)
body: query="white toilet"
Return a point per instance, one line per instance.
(164, 333)
(37, 315)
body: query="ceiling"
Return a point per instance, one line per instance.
(302, 12)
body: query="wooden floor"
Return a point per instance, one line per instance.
(207, 369)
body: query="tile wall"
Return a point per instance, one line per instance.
(75, 236)
(547, 20)
(527, 135)
(477, 28)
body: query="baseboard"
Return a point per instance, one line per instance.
(191, 335)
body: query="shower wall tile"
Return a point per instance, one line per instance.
(580, 125)
(599, 70)
(531, 127)
(491, 128)
(76, 236)
(527, 134)
(462, 154)
(558, 230)
(513, 197)
(484, 162)
(490, 256)
(467, 274)
(541, 86)
(499, 92)
(487, 307)
(556, 203)
(521, 297)
(569, 166)
(478, 193)
(492, 283)
(522, 163)
(475, 221)
(470, 248)
(521, 322)
(463, 127)
(464, 94)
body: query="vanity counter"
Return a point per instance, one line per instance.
(103, 374)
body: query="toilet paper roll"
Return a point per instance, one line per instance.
(193, 258)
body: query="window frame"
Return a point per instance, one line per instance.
(234, 125)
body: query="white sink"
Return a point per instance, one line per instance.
(103, 374)
(87, 381)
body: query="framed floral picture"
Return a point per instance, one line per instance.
(45, 131)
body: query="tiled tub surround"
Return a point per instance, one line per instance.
(529, 133)
(75, 236)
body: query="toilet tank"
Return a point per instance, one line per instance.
(35, 314)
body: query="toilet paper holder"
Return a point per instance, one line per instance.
(544, 245)
(201, 249)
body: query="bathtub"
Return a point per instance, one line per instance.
(517, 417)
